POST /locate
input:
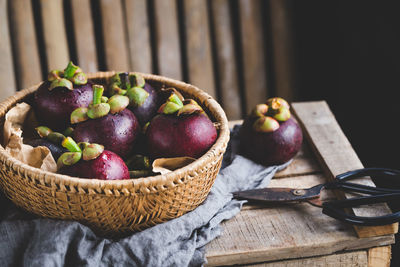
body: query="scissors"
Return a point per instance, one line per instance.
(370, 195)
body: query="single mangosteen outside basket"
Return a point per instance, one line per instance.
(115, 208)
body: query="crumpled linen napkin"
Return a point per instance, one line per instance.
(27, 240)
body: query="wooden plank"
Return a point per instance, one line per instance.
(228, 78)
(282, 48)
(254, 57)
(379, 256)
(167, 39)
(55, 36)
(349, 259)
(115, 40)
(84, 35)
(336, 156)
(26, 53)
(7, 77)
(286, 231)
(198, 46)
(137, 22)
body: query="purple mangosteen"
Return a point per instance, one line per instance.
(181, 129)
(107, 122)
(270, 136)
(63, 92)
(89, 160)
(144, 100)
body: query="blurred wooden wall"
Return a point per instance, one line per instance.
(239, 51)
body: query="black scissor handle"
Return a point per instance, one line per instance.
(367, 172)
(335, 210)
(360, 188)
(360, 220)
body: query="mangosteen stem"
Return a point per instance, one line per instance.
(71, 145)
(97, 94)
(70, 70)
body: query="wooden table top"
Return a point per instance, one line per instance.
(277, 233)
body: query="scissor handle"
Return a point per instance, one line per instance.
(335, 210)
(367, 172)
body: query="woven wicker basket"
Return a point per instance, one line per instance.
(113, 208)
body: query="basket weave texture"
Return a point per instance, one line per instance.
(116, 207)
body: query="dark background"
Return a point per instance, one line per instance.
(348, 53)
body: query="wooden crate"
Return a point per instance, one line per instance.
(299, 234)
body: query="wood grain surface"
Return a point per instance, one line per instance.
(348, 259)
(282, 42)
(84, 35)
(139, 42)
(54, 34)
(336, 156)
(198, 46)
(7, 77)
(114, 35)
(26, 53)
(228, 78)
(167, 39)
(379, 256)
(254, 56)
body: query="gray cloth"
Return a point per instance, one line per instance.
(26, 240)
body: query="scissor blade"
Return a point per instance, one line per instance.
(278, 194)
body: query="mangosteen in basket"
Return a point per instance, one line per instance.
(51, 140)
(144, 100)
(63, 92)
(180, 129)
(89, 160)
(269, 135)
(107, 122)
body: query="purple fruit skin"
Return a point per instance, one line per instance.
(148, 109)
(117, 132)
(107, 166)
(187, 135)
(272, 148)
(53, 108)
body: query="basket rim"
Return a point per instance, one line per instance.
(128, 186)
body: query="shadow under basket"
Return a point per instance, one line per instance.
(116, 208)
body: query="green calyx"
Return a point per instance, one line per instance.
(267, 116)
(92, 151)
(62, 82)
(68, 159)
(118, 103)
(100, 106)
(79, 115)
(137, 96)
(70, 76)
(172, 105)
(175, 104)
(98, 110)
(122, 82)
(265, 125)
(259, 110)
(83, 150)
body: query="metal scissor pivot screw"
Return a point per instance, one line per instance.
(299, 192)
